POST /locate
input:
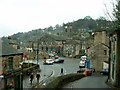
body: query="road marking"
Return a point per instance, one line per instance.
(44, 84)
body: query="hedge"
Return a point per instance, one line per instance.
(58, 82)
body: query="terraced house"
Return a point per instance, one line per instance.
(99, 52)
(10, 68)
(71, 48)
(49, 44)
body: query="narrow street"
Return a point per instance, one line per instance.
(94, 81)
(71, 66)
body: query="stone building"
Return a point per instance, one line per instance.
(10, 67)
(71, 48)
(49, 44)
(99, 52)
(114, 68)
(101, 37)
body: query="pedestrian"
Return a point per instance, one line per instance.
(49, 56)
(31, 77)
(44, 57)
(61, 71)
(28, 72)
(38, 77)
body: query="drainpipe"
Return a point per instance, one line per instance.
(21, 87)
(109, 60)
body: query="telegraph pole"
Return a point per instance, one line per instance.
(37, 52)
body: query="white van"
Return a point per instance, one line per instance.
(82, 64)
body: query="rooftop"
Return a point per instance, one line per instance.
(6, 49)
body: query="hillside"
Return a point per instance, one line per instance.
(82, 24)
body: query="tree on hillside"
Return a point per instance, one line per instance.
(113, 19)
(89, 24)
(116, 13)
(50, 28)
(101, 23)
(87, 17)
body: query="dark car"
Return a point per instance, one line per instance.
(58, 60)
(104, 72)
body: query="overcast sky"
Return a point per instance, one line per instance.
(26, 15)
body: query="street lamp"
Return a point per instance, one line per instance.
(37, 51)
(37, 55)
(21, 75)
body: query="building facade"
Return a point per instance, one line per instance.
(10, 68)
(48, 44)
(71, 48)
(114, 76)
(99, 52)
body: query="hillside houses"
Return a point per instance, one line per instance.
(48, 43)
(71, 48)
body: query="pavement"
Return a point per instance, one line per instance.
(111, 86)
(44, 80)
(44, 75)
(95, 81)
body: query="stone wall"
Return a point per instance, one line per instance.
(101, 37)
(97, 56)
(16, 62)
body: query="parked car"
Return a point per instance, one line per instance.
(81, 70)
(104, 72)
(88, 71)
(51, 55)
(93, 70)
(48, 61)
(56, 57)
(58, 60)
(82, 64)
(83, 57)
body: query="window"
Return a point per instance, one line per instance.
(42, 48)
(46, 49)
(10, 63)
(105, 52)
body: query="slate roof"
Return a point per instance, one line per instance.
(102, 44)
(72, 42)
(6, 49)
(49, 37)
(60, 37)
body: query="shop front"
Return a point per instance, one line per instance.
(13, 80)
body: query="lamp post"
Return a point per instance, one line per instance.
(37, 51)
(37, 55)
(21, 76)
